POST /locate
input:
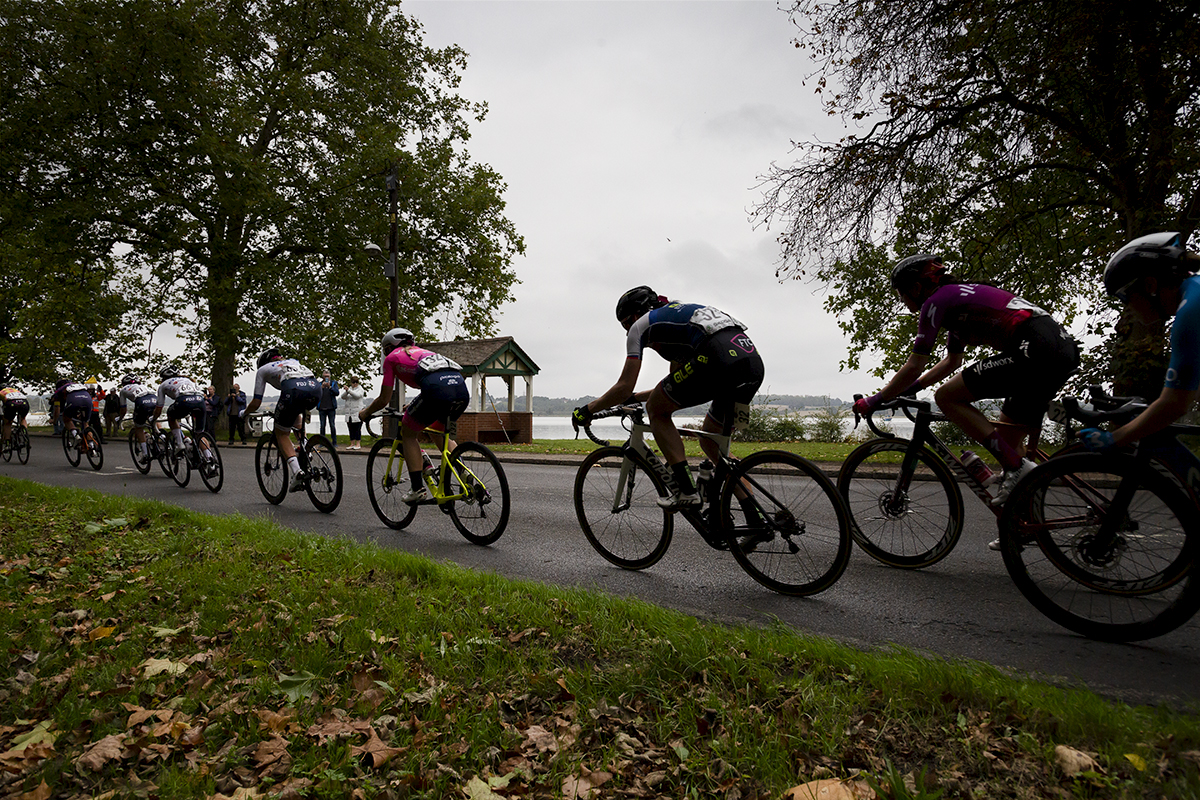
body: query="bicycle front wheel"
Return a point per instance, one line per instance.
(1134, 582)
(483, 514)
(385, 486)
(176, 462)
(212, 470)
(94, 448)
(911, 529)
(791, 532)
(22, 445)
(271, 469)
(9, 446)
(141, 461)
(616, 501)
(324, 474)
(70, 443)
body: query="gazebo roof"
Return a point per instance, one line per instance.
(499, 356)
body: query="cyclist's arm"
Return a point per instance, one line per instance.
(622, 389)
(253, 405)
(904, 378)
(385, 397)
(941, 370)
(1168, 407)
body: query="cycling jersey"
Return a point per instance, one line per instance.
(15, 403)
(75, 401)
(12, 393)
(444, 393)
(145, 400)
(133, 391)
(1184, 370)
(276, 372)
(176, 388)
(676, 330)
(412, 364)
(973, 314)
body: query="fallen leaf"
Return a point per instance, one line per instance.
(100, 753)
(477, 789)
(1138, 762)
(831, 789)
(39, 735)
(103, 632)
(585, 785)
(42, 792)
(1073, 762)
(375, 751)
(539, 739)
(160, 666)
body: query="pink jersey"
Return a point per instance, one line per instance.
(411, 364)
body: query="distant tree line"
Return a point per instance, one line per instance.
(563, 406)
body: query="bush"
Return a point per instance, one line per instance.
(771, 425)
(828, 424)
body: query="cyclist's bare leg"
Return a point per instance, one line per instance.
(954, 399)
(7, 430)
(283, 440)
(410, 445)
(666, 435)
(1015, 433)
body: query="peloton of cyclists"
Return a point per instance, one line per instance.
(74, 403)
(299, 392)
(712, 359)
(145, 401)
(1154, 276)
(1034, 359)
(444, 395)
(15, 405)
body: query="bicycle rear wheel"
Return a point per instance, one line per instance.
(616, 494)
(176, 463)
(22, 445)
(9, 446)
(324, 474)
(1137, 584)
(94, 447)
(483, 515)
(212, 470)
(385, 488)
(70, 443)
(271, 469)
(141, 461)
(910, 530)
(797, 518)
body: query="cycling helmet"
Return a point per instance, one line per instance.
(269, 355)
(914, 270)
(128, 379)
(396, 337)
(61, 383)
(1157, 255)
(637, 301)
(168, 372)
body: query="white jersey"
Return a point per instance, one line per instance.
(175, 388)
(276, 372)
(133, 391)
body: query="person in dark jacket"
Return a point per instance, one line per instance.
(235, 409)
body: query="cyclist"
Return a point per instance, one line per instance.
(189, 402)
(444, 395)
(15, 407)
(712, 359)
(74, 404)
(298, 392)
(1154, 276)
(145, 401)
(1036, 356)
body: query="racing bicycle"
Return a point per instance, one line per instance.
(789, 530)
(76, 444)
(157, 448)
(468, 485)
(319, 465)
(201, 455)
(18, 443)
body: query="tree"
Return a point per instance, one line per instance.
(229, 157)
(1026, 140)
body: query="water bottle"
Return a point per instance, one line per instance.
(975, 465)
(704, 479)
(427, 470)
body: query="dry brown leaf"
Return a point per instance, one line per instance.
(375, 751)
(42, 792)
(100, 753)
(277, 721)
(585, 785)
(831, 789)
(1073, 762)
(539, 739)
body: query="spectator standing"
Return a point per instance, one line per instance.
(353, 394)
(114, 411)
(235, 409)
(327, 408)
(212, 407)
(95, 419)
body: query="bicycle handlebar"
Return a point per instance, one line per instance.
(903, 402)
(632, 411)
(387, 412)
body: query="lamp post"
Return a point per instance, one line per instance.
(391, 427)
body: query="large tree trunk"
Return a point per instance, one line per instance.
(224, 325)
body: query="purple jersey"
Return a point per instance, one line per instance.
(973, 314)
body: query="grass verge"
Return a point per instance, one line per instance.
(156, 652)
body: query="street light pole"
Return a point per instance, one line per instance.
(389, 269)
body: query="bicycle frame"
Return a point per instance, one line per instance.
(445, 469)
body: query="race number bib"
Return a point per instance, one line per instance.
(741, 416)
(712, 320)
(435, 361)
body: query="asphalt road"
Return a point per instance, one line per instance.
(963, 607)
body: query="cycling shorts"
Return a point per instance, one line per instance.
(1029, 374)
(725, 369)
(444, 396)
(14, 409)
(296, 395)
(77, 406)
(188, 405)
(143, 408)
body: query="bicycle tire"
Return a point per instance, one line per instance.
(271, 469)
(324, 484)
(212, 473)
(919, 531)
(162, 444)
(95, 447)
(1144, 586)
(811, 544)
(71, 447)
(483, 516)
(141, 462)
(9, 445)
(622, 521)
(23, 447)
(384, 489)
(177, 464)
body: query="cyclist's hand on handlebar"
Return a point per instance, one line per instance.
(863, 406)
(581, 416)
(1097, 440)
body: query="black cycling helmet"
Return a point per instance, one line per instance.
(923, 268)
(637, 301)
(269, 355)
(168, 372)
(1158, 255)
(60, 383)
(128, 379)
(396, 337)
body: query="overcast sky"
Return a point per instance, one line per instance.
(632, 135)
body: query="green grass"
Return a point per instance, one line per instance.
(154, 651)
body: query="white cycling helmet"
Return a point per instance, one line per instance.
(396, 337)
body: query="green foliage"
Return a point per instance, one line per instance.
(771, 425)
(828, 423)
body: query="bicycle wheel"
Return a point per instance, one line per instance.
(22, 445)
(177, 463)
(94, 447)
(483, 515)
(70, 443)
(8, 446)
(796, 515)
(914, 529)
(141, 461)
(211, 470)
(616, 494)
(271, 469)
(324, 474)
(1139, 583)
(384, 487)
